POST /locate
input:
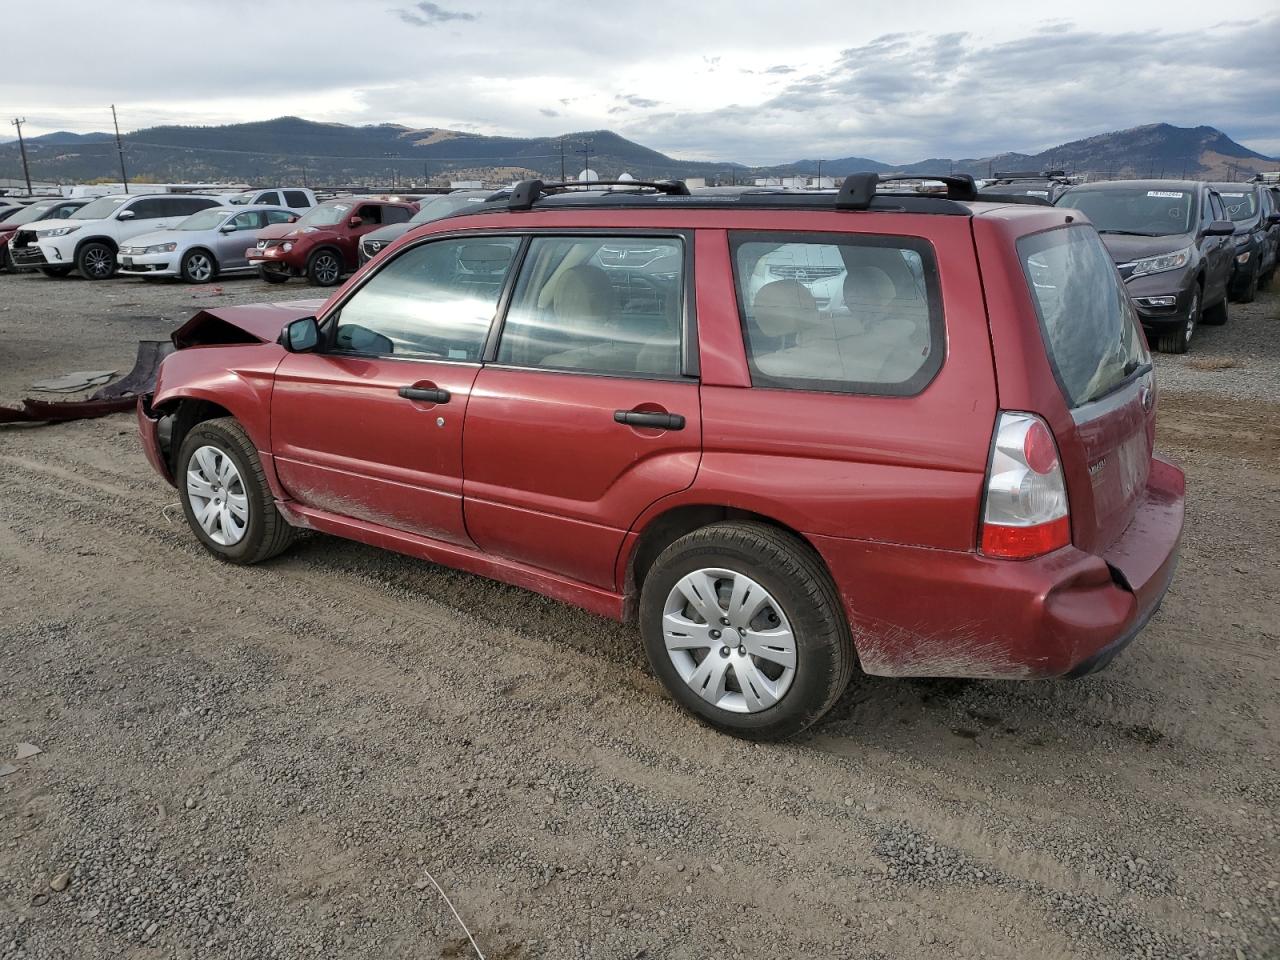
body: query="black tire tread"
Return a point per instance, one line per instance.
(277, 533)
(790, 557)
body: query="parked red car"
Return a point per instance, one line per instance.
(324, 245)
(789, 434)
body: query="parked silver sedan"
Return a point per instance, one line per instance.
(203, 246)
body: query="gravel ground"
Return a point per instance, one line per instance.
(274, 762)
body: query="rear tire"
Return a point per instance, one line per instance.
(96, 261)
(775, 588)
(198, 266)
(324, 269)
(1178, 339)
(225, 495)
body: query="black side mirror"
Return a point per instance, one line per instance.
(1273, 218)
(300, 336)
(1220, 228)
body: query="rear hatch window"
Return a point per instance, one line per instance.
(1089, 327)
(1101, 362)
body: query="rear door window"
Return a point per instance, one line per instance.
(1086, 320)
(605, 305)
(839, 313)
(152, 208)
(271, 197)
(296, 198)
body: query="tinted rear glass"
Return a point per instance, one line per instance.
(838, 313)
(1088, 325)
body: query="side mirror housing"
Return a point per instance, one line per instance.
(354, 222)
(1220, 228)
(300, 336)
(125, 215)
(227, 228)
(1273, 218)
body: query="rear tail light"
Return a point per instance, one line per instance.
(1026, 512)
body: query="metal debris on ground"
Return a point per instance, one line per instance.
(27, 750)
(113, 398)
(73, 382)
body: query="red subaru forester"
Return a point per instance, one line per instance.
(787, 433)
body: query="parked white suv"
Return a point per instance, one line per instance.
(295, 198)
(90, 238)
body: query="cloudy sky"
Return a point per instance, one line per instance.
(746, 81)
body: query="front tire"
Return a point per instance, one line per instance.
(96, 261)
(744, 628)
(198, 266)
(1178, 339)
(56, 273)
(270, 276)
(225, 496)
(324, 269)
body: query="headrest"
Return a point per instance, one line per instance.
(868, 287)
(583, 291)
(485, 258)
(783, 307)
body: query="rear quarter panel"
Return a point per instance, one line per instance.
(883, 468)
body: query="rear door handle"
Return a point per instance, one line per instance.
(426, 394)
(637, 418)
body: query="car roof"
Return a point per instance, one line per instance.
(1189, 186)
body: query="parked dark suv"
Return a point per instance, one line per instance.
(634, 403)
(1254, 254)
(1171, 240)
(429, 208)
(1047, 185)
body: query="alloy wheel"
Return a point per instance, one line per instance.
(729, 640)
(98, 261)
(199, 267)
(327, 268)
(217, 495)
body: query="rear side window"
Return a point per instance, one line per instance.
(434, 301)
(185, 206)
(271, 198)
(1088, 325)
(839, 313)
(151, 208)
(280, 216)
(296, 198)
(606, 305)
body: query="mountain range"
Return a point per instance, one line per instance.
(290, 149)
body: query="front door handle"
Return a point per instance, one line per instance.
(425, 394)
(641, 418)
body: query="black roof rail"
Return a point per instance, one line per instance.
(859, 189)
(527, 192)
(1030, 175)
(1016, 198)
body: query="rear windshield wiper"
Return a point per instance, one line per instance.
(1132, 233)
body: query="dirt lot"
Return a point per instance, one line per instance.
(259, 763)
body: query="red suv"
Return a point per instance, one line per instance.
(324, 245)
(788, 434)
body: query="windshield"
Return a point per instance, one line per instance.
(325, 215)
(34, 212)
(1240, 205)
(209, 219)
(442, 207)
(99, 209)
(1134, 210)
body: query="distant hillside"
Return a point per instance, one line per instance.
(290, 149)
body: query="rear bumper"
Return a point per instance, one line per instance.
(921, 612)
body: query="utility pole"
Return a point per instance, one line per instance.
(586, 155)
(562, 180)
(119, 149)
(819, 183)
(22, 146)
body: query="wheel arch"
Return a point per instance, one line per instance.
(84, 242)
(654, 533)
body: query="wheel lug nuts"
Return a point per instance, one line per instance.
(715, 634)
(724, 651)
(742, 650)
(724, 621)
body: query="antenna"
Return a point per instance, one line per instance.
(120, 149)
(22, 145)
